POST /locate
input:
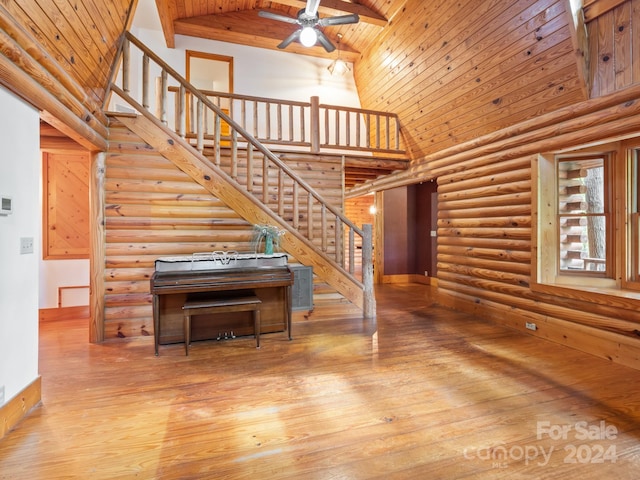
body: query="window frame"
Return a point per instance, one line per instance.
(607, 213)
(631, 218)
(545, 271)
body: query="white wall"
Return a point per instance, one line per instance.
(63, 273)
(20, 166)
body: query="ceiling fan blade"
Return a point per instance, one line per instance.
(275, 16)
(312, 8)
(339, 20)
(294, 36)
(324, 41)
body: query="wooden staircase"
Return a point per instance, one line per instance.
(217, 182)
(246, 177)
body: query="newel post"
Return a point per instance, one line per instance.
(369, 301)
(315, 124)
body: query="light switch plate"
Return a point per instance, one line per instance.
(26, 245)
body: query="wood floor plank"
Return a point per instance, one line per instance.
(419, 392)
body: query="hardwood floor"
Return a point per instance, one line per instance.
(422, 392)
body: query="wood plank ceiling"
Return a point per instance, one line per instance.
(238, 22)
(453, 71)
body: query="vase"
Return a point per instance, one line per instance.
(268, 245)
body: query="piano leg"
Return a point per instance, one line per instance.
(156, 321)
(288, 308)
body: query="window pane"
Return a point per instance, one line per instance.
(581, 214)
(634, 240)
(583, 243)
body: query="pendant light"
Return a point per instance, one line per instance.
(338, 66)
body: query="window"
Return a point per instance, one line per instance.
(633, 201)
(587, 233)
(584, 215)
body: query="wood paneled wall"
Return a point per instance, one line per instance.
(614, 43)
(485, 242)
(153, 209)
(454, 74)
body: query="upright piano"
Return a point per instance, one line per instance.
(220, 274)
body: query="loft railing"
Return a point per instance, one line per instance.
(318, 127)
(301, 199)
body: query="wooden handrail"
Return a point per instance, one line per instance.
(310, 129)
(204, 108)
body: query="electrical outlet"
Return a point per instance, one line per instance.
(26, 245)
(426, 273)
(2, 395)
(531, 326)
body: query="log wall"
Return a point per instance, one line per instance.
(486, 242)
(153, 209)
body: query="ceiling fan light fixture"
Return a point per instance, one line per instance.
(308, 36)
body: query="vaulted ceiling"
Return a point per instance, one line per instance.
(453, 71)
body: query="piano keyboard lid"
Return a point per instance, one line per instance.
(221, 260)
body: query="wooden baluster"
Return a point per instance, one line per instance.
(279, 120)
(265, 180)
(397, 124)
(347, 128)
(163, 97)
(200, 126)
(369, 301)
(216, 138)
(192, 113)
(158, 112)
(176, 117)
(337, 128)
(250, 167)
(367, 127)
(280, 193)
(255, 118)
(145, 81)
(291, 130)
(267, 121)
(126, 65)
(323, 224)
(234, 154)
(310, 216)
(326, 126)
(181, 111)
(377, 131)
(243, 113)
(303, 134)
(352, 251)
(296, 209)
(388, 132)
(339, 242)
(358, 120)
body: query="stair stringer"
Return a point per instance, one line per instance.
(218, 183)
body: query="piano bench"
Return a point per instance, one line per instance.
(249, 303)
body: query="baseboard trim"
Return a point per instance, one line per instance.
(12, 412)
(63, 313)
(407, 278)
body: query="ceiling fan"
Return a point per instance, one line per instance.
(309, 33)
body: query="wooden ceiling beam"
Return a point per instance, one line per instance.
(167, 12)
(339, 7)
